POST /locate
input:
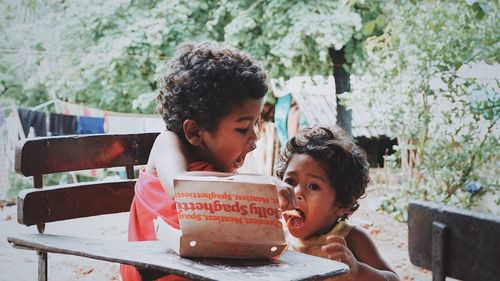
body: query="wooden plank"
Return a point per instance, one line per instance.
(38, 183)
(438, 251)
(472, 247)
(419, 240)
(154, 255)
(42, 266)
(55, 203)
(47, 155)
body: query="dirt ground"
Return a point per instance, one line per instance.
(15, 264)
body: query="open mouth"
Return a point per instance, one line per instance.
(294, 218)
(240, 160)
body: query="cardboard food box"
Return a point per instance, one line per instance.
(225, 216)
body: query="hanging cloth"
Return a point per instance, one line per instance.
(154, 124)
(90, 125)
(293, 121)
(123, 124)
(60, 124)
(281, 118)
(78, 110)
(35, 119)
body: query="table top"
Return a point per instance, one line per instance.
(154, 255)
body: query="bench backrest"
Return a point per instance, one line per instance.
(41, 156)
(456, 243)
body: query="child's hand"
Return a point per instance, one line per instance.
(336, 249)
(286, 196)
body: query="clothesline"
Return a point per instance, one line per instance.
(18, 123)
(65, 53)
(71, 118)
(60, 108)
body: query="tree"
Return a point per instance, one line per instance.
(108, 54)
(18, 56)
(105, 54)
(444, 118)
(302, 37)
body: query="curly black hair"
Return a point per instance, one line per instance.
(345, 163)
(205, 82)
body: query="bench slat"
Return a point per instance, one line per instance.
(154, 255)
(46, 155)
(56, 203)
(471, 242)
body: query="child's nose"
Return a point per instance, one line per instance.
(298, 192)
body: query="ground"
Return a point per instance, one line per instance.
(15, 264)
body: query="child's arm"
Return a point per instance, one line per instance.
(167, 159)
(361, 255)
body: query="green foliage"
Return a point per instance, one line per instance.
(19, 182)
(105, 54)
(294, 37)
(108, 54)
(423, 93)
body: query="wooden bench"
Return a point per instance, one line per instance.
(456, 243)
(40, 205)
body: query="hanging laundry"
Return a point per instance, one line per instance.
(281, 118)
(293, 121)
(90, 125)
(77, 109)
(261, 160)
(60, 124)
(154, 124)
(296, 120)
(33, 119)
(125, 123)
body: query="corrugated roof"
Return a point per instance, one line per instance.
(316, 99)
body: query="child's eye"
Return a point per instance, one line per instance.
(290, 181)
(242, 130)
(314, 187)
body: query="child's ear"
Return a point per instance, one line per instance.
(192, 131)
(342, 211)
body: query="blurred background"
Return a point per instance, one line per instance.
(416, 83)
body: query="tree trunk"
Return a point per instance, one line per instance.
(342, 84)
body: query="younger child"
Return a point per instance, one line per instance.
(329, 174)
(210, 99)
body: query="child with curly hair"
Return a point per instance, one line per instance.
(210, 99)
(329, 174)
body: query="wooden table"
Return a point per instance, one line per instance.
(154, 259)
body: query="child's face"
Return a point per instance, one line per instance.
(235, 136)
(315, 196)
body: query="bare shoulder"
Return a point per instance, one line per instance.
(364, 249)
(359, 241)
(167, 142)
(166, 139)
(167, 149)
(167, 159)
(163, 142)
